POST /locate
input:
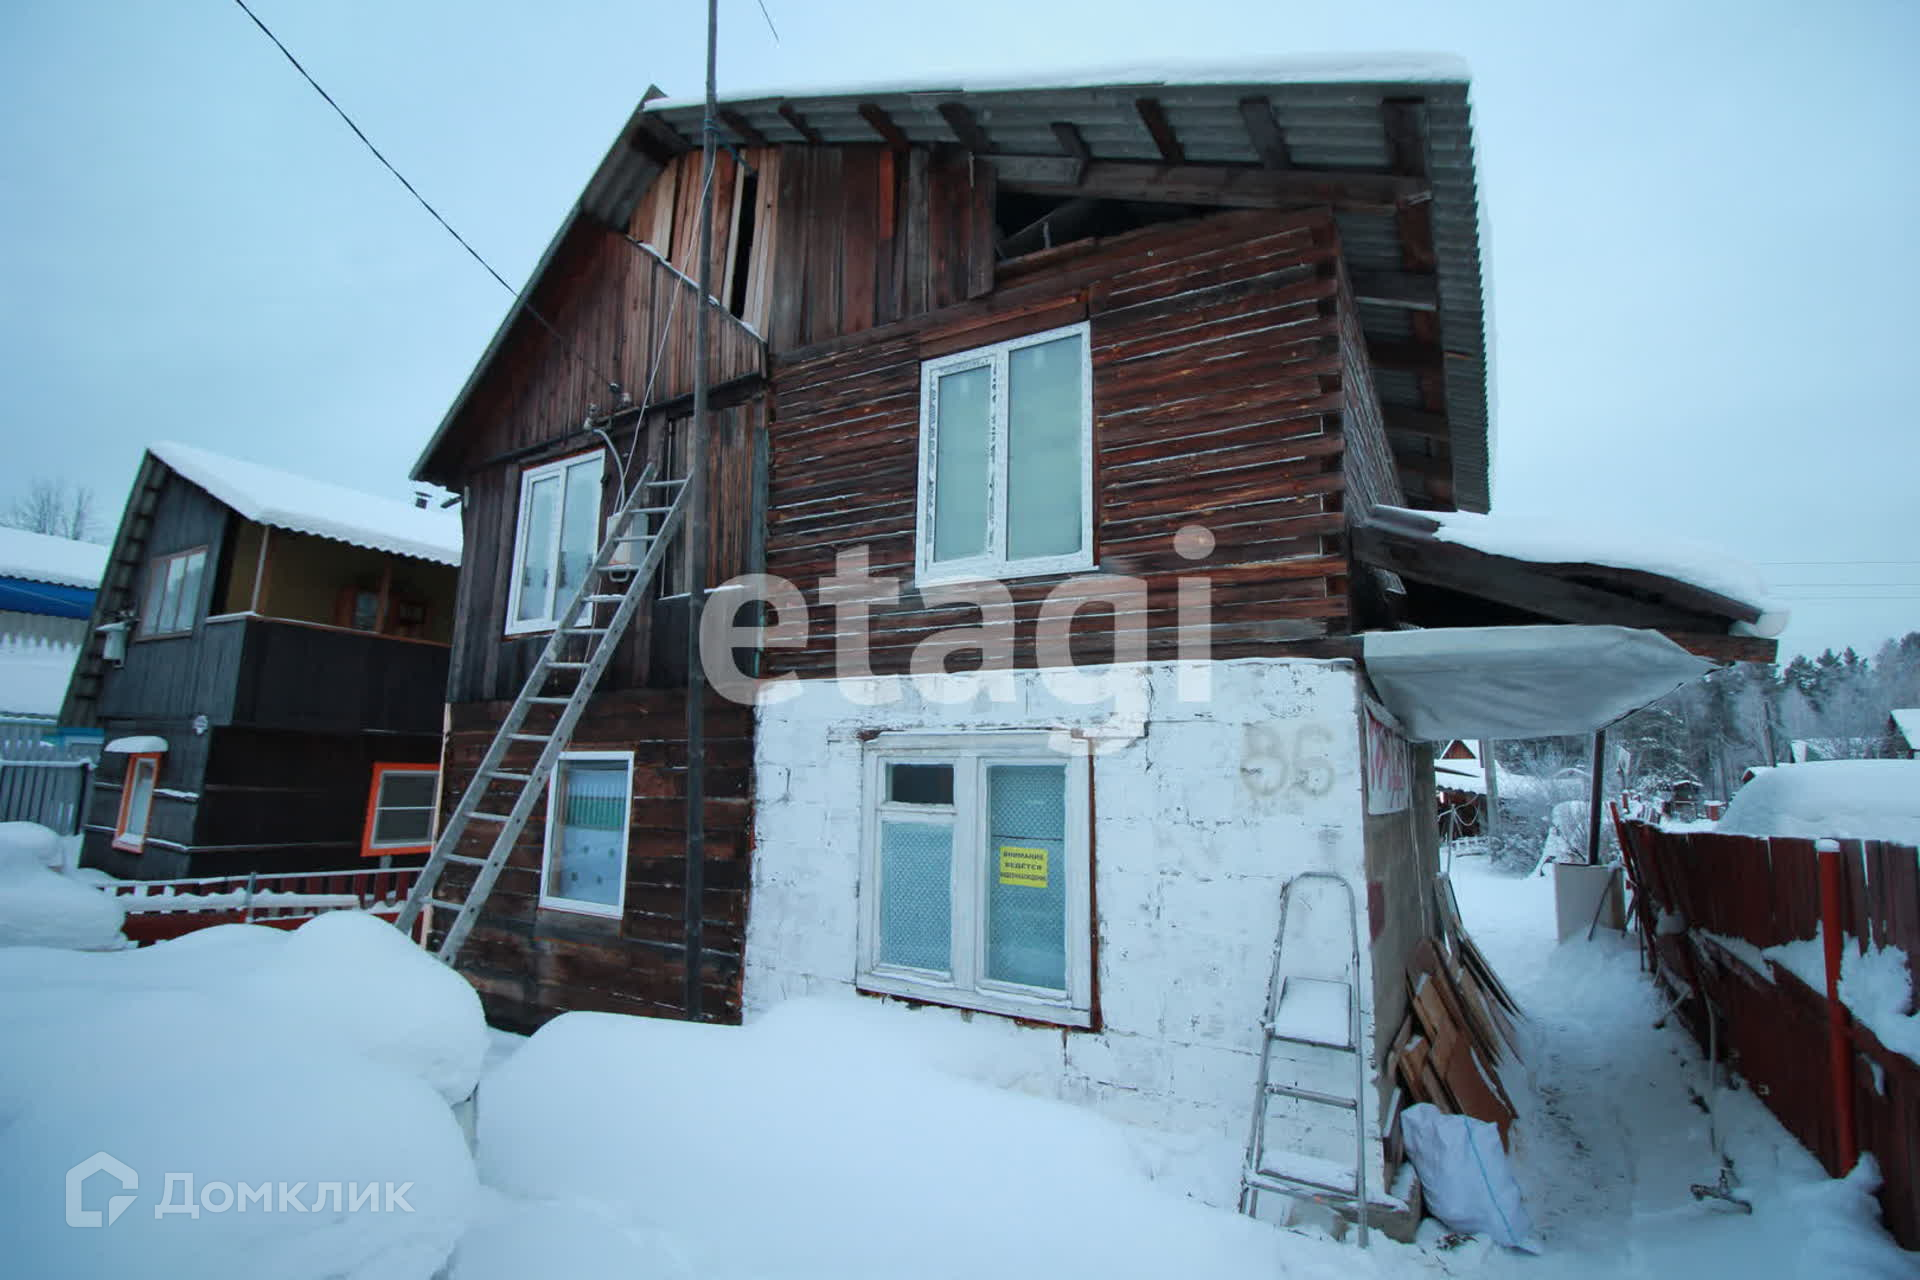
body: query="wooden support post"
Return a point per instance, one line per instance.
(1493, 791)
(696, 536)
(1593, 800)
(1839, 1052)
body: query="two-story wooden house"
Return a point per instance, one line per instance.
(1083, 427)
(268, 663)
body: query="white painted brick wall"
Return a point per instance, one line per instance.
(1198, 824)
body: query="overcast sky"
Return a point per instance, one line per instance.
(1699, 220)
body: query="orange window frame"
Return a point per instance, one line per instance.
(122, 840)
(367, 848)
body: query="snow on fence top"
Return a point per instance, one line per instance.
(285, 501)
(1377, 68)
(1844, 799)
(1547, 541)
(38, 557)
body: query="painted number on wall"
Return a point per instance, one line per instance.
(1274, 761)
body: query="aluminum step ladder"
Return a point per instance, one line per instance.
(1323, 1014)
(582, 644)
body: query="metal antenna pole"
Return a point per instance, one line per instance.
(697, 548)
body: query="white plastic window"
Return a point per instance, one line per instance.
(977, 876)
(1006, 459)
(173, 593)
(588, 808)
(556, 538)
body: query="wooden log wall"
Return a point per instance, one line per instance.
(1218, 388)
(530, 964)
(626, 314)
(856, 236)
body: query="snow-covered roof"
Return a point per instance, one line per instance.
(1374, 68)
(1576, 539)
(33, 677)
(38, 557)
(1907, 721)
(1843, 799)
(285, 501)
(139, 744)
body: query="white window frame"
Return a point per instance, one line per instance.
(552, 901)
(966, 985)
(157, 621)
(994, 563)
(515, 625)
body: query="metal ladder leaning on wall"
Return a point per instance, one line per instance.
(1302, 1010)
(579, 622)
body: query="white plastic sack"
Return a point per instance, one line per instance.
(1464, 1172)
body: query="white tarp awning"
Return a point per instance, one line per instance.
(1522, 682)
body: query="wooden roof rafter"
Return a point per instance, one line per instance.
(883, 125)
(1154, 117)
(1264, 132)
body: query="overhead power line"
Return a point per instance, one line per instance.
(519, 296)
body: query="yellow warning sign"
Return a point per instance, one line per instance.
(1023, 866)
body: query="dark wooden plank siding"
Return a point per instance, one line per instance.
(627, 316)
(531, 963)
(489, 665)
(1217, 369)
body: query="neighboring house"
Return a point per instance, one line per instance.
(269, 666)
(47, 586)
(1166, 341)
(1903, 733)
(1462, 782)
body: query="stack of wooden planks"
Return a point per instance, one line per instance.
(1458, 1030)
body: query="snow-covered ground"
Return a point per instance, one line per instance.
(1613, 1128)
(832, 1138)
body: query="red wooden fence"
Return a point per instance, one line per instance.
(162, 909)
(1741, 889)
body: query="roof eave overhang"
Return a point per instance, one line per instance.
(1014, 127)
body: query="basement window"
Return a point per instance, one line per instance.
(173, 593)
(556, 539)
(1006, 460)
(976, 883)
(400, 807)
(589, 800)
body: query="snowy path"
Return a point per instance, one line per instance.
(1613, 1128)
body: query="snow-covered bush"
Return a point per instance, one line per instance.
(42, 907)
(317, 1064)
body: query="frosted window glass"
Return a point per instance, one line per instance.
(1026, 875)
(1044, 444)
(916, 895)
(591, 859)
(579, 529)
(537, 532)
(962, 491)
